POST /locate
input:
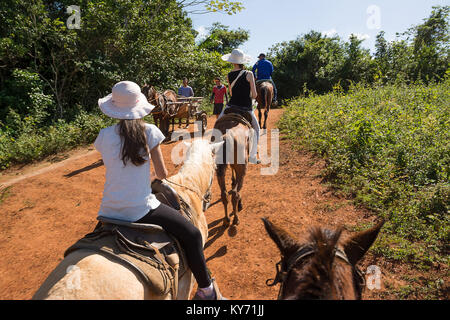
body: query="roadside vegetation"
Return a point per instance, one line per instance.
(386, 143)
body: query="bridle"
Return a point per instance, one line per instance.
(283, 269)
(206, 198)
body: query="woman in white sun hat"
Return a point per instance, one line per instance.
(126, 149)
(242, 90)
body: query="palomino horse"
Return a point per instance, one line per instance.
(264, 99)
(322, 267)
(236, 136)
(104, 278)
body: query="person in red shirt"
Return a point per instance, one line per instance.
(218, 94)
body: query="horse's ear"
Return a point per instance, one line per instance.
(285, 243)
(216, 146)
(356, 247)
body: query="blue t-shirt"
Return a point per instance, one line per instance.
(265, 70)
(185, 91)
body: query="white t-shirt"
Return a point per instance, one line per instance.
(127, 193)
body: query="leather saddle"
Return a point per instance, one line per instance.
(152, 253)
(236, 114)
(166, 194)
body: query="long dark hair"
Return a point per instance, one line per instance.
(134, 141)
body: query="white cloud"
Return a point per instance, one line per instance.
(202, 33)
(360, 36)
(329, 33)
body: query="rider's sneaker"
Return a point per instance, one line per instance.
(274, 103)
(213, 295)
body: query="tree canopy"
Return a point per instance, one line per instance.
(319, 63)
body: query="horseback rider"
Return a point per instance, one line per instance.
(126, 149)
(262, 71)
(241, 84)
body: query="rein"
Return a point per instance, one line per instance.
(206, 198)
(284, 268)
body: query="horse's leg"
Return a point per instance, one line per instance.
(259, 116)
(187, 122)
(240, 171)
(221, 170)
(266, 112)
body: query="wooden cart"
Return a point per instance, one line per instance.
(174, 110)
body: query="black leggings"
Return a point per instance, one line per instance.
(187, 234)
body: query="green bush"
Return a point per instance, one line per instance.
(389, 148)
(61, 136)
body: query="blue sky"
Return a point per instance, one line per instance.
(274, 21)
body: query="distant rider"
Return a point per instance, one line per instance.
(263, 70)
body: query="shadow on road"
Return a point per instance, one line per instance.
(219, 253)
(96, 164)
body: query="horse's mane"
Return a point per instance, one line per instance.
(317, 277)
(198, 166)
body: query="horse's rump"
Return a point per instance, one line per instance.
(235, 128)
(148, 250)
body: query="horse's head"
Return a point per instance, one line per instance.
(199, 162)
(324, 266)
(149, 92)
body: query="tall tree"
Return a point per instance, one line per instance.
(221, 39)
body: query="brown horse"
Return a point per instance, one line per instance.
(323, 267)
(236, 136)
(157, 99)
(264, 99)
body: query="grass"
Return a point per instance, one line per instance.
(36, 143)
(4, 193)
(388, 148)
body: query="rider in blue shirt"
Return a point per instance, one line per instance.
(263, 70)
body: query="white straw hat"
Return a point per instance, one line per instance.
(125, 102)
(237, 56)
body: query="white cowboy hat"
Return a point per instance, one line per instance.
(237, 56)
(125, 102)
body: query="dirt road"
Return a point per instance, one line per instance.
(43, 214)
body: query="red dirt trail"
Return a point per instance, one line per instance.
(43, 214)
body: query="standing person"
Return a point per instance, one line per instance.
(262, 70)
(185, 90)
(219, 91)
(127, 149)
(242, 91)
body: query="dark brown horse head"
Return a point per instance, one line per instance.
(149, 92)
(322, 267)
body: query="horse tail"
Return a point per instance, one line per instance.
(263, 95)
(268, 99)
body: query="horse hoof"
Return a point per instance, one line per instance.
(235, 221)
